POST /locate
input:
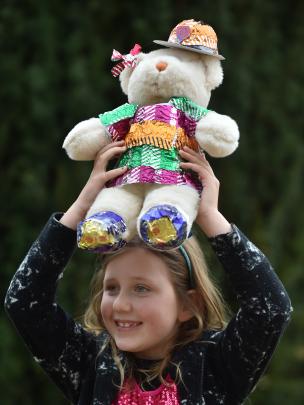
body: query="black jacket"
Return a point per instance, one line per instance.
(220, 368)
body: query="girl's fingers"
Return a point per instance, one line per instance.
(192, 166)
(108, 147)
(202, 172)
(116, 150)
(190, 156)
(191, 151)
(195, 157)
(105, 157)
(111, 174)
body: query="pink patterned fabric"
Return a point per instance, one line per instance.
(129, 59)
(166, 113)
(159, 112)
(119, 130)
(164, 395)
(146, 174)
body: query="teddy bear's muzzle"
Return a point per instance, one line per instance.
(161, 66)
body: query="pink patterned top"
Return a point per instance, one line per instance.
(163, 395)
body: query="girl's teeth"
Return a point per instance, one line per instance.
(126, 324)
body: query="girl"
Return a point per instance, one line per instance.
(155, 328)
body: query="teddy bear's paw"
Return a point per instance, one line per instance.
(217, 134)
(163, 227)
(86, 139)
(101, 232)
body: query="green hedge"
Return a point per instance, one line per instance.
(55, 71)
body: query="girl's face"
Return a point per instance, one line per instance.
(139, 306)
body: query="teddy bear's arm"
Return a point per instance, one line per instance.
(217, 134)
(86, 139)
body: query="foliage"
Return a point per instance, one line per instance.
(55, 71)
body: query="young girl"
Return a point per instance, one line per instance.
(155, 329)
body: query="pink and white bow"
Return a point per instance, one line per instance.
(130, 59)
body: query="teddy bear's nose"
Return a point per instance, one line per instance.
(160, 66)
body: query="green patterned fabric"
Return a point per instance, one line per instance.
(120, 113)
(127, 110)
(193, 110)
(148, 155)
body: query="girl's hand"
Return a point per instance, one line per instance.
(210, 220)
(97, 180)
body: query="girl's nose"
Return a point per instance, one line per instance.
(122, 303)
(160, 66)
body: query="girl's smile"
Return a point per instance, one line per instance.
(139, 305)
(126, 325)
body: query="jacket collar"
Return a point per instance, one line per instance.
(190, 357)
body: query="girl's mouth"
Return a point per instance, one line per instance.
(127, 324)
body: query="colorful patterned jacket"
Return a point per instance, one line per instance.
(220, 368)
(153, 135)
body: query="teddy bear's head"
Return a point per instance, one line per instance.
(165, 73)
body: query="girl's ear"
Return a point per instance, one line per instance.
(125, 75)
(185, 313)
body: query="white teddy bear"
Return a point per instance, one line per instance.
(168, 93)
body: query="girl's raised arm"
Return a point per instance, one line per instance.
(60, 345)
(245, 347)
(243, 350)
(210, 220)
(95, 183)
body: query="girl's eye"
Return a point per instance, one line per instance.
(111, 289)
(141, 288)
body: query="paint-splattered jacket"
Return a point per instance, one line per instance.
(221, 368)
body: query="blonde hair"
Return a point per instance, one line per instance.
(208, 307)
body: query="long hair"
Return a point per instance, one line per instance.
(208, 307)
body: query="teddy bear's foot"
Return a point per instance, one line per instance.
(101, 232)
(163, 227)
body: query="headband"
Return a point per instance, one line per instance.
(186, 257)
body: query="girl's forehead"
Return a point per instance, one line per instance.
(135, 255)
(136, 263)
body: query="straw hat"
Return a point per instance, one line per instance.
(193, 36)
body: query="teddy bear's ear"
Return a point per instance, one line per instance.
(213, 71)
(125, 75)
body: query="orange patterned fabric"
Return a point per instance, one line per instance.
(159, 134)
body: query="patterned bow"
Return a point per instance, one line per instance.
(130, 59)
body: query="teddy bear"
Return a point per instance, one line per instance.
(168, 92)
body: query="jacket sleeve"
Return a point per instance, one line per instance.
(118, 121)
(60, 345)
(245, 347)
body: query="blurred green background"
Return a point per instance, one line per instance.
(55, 71)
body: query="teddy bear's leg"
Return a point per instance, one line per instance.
(111, 220)
(167, 215)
